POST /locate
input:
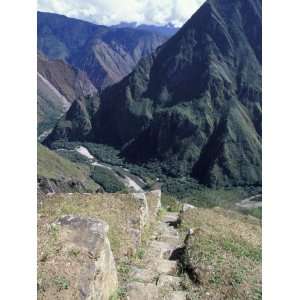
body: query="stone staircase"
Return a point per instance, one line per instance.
(157, 275)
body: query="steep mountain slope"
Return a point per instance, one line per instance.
(105, 54)
(69, 81)
(57, 174)
(195, 105)
(51, 105)
(58, 85)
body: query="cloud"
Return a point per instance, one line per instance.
(110, 12)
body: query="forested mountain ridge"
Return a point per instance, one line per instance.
(194, 106)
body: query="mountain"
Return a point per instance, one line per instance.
(58, 85)
(194, 106)
(106, 54)
(168, 30)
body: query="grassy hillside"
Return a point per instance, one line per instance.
(55, 168)
(223, 255)
(52, 165)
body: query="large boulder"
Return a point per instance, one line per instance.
(98, 275)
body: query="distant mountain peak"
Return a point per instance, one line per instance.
(106, 54)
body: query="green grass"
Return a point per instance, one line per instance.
(56, 168)
(224, 253)
(170, 203)
(255, 212)
(51, 165)
(120, 293)
(61, 283)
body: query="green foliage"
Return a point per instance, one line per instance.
(61, 283)
(74, 252)
(107, 180)
(105, 153)
(140, 253)
(170, 203)
(120, 293)
(255, 212)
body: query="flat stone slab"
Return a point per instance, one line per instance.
(165, 228)
(177, 295)
(170, 217)
(168, 282)
(163, 266)
(174, 241)
(159, 249)
(142, 291)
(142, 275)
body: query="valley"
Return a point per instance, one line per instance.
(149, 171)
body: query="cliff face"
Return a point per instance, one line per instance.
(58, 85)
(195, 105)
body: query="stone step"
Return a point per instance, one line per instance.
(170, 217)
(164, 266)
(164, 228)
(142, 275)
(159, 249)
(174, 241)
(176, 295)
(168, 282)
(142, 291)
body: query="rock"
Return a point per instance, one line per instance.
(177, 295)
(142, 275)
(142, 291)
(144, 217)
(168, 282)
(198, 272)
(157, 194)
(136, 238)
(171, 218)
(158, 249)
(98, 275)
(163, 266)
(172, 240)
(165, 229)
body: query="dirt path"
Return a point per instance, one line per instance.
(156, 276)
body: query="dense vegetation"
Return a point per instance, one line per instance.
(107, 180)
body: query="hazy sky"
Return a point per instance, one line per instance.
(109, 12)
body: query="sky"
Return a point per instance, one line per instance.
(111, 12)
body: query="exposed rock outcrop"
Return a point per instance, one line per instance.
(98, 275)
